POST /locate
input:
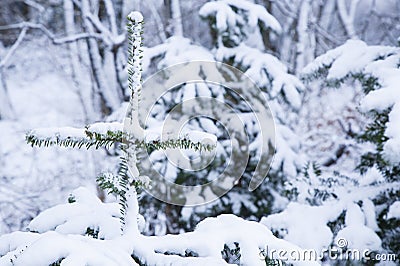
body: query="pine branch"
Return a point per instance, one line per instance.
(123, 180)
(91, 136)
(108, 182)
(88, 138)
(175, 144)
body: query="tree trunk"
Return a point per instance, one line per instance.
(175, 17)
(347, 17)
(327, 11)
(108, 96)
(81, 83)
(305, 45)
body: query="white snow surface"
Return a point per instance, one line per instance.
(209, 237)
(207, 240)
(73, 133)
(75, 218)
(136, 16)
(24, 248)
(304, 225)
(356, 233)
(394, 211)
(104, 127)
(62, 133)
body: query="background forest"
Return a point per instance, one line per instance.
(328, 68)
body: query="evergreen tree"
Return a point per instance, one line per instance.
(354, 202)
(86, 231)
(237, 28)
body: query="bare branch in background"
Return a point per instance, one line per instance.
(28, 25)
(285, 8)
(77, 70)
(14, 47)
(176, 17)
(110, 100)
(348, 16)
(35, 5)
(160, 25)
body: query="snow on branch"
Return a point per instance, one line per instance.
(355, 59)
(266, 71)
(98, 135)
(65, 239)
(104, 134)
(210, 237)
(84, 215)
(174, 50)
(227, 18)
(350, 58)
(25, 248)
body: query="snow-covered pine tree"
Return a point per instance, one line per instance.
(237, 28)
(86, 231)
(376, 69)
(350, 204)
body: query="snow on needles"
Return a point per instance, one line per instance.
(212, 234)
(75, 218)
(74, 248)
(263, 69)
(356, 233)
(308, 233)
(63, 133)
(25, 248)
(227, 18)
(355, 58)
(103, 128)
(135, 16)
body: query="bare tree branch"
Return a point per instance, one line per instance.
(14, 47)
(285, 8)
(347, 16)
(333, 39)
(35, 5)
(160, 25)
(50, 35)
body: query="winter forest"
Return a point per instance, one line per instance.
(182, 132)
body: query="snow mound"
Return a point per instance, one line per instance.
(312, 232)
(355, 233)
(87, 212)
